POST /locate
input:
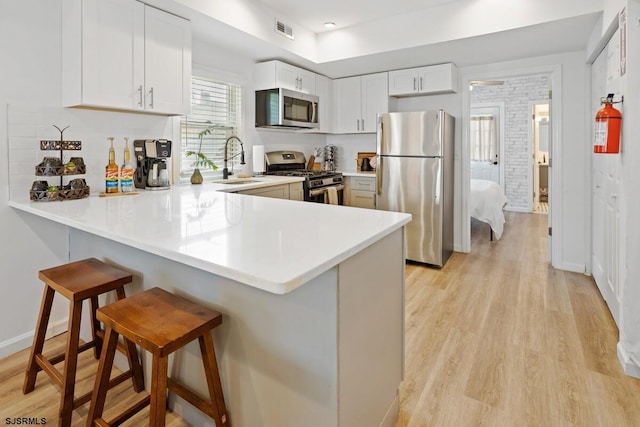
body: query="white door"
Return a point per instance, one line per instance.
(606, 187)
(489, 170)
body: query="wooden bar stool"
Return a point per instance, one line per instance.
(161, 323)
(78, 281)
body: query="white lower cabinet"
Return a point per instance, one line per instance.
(360, 192)
(295, 191)
(282, 191)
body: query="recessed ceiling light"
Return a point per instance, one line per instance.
(329, 24)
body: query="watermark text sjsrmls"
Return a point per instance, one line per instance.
(26, 421)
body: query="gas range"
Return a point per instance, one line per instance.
(316, 183)
(314, 179)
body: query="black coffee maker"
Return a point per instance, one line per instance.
(152, 156)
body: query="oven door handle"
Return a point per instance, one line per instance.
(323, 190)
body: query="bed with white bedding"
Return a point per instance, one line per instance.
(486, 202)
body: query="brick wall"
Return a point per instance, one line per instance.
(516, 93)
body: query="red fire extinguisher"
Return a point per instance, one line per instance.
(606, 135)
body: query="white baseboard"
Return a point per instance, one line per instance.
(629, 367)
(391, 417)
(573, 267)
(15, 344)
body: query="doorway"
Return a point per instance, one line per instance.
(516, 90)
(539, 135)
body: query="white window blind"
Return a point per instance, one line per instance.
(483, 139)
(216, 105)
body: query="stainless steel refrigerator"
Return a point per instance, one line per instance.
(414, 174)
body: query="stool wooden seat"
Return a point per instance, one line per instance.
(160, 323)
(78, 281)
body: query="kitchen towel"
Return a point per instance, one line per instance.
(332, 193)
(258, 158)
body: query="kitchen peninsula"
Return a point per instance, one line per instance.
(312, 295)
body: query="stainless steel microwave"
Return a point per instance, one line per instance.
(284, 108)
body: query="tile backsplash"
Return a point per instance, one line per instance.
(28, 124)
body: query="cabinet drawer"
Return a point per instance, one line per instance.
(363, 199)
(363, 184)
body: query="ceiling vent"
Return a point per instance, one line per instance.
(284, 29)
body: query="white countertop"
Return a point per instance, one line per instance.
(371, 174)
(239, 184)
(272, 244)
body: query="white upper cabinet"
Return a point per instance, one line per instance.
(432, 79)
(125, 55)
(167, 63)
(324, 86)
(357, 101)
(273, 74)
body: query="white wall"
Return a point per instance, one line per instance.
(29, 243)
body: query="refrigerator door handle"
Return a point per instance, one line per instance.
(379, 174)
(379, 159)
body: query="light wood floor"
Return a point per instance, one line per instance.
(498, 338)
(495, 338)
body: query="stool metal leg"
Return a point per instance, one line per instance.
(38, 340)
(70, 363)
(158, 402)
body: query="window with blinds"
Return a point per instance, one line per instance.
(216, 106)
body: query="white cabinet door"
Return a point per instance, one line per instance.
(273, 74)
(305, 81)
(167, 62)
(295, 191)
(403, 82)
(122, 54)
(103, 53)
(375, 99)
(441, 78)
(347, 101)
(432, 79)
(324, 88)
(357, 101)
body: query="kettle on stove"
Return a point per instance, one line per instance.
(366, 165)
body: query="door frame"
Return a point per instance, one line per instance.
(555, 155)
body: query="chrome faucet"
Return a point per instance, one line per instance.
(225, 170)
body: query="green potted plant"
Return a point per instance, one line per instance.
(201, 159)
